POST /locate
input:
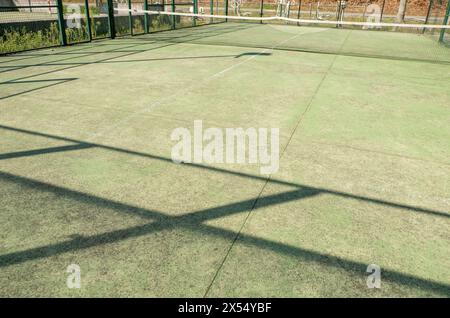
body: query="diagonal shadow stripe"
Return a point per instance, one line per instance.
(140, 42)
(58, 82)
(192, 221)
(78, 55)
(203, 34)
(39, 81)
(93, 62)
(444, 214)
(42, 151)
(162, 220)
(242, 206)
(311, 256)
(133, 61)
(82, 197)
(36, 53)
(80, 243)
(197, 216)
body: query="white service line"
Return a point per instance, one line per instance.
(187, 89)
(253, 56)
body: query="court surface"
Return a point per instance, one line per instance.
(87, 178)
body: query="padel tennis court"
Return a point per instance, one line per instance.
(87, 176)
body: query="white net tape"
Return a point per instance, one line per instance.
(286, 19)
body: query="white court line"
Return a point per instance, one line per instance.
(189, 88)
(253, 56)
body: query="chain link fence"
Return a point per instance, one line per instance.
(32, 24)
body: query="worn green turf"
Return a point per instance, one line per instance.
(86, 175)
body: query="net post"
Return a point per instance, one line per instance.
(195, 4)
(146, 16)
(88, 20)
(261, 10)
(61, 23)
(173, 17)
(445, 22)
(112, 27)
(130, 18)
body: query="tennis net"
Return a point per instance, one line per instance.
(370, 38)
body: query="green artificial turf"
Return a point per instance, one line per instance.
(86, 175)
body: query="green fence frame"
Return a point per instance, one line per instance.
(226, 9)
(173, 17)
(111, 22)
(88, 19)
(261, 10)
(62, 26)
(130, 18)
(194, 19)
(445, 22)
(146, 17)
(61, 23)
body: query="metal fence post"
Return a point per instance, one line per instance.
(445, 22)
(173, 17)
(146, 16)
(261, 10)
(88, 20)
(211, 10)
(61, 23)
(112, 27)
(195, 4)
(130, 18)
(226, 9)
(299, 10)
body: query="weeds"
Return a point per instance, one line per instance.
(14, 40)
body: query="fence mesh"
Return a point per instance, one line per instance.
(30, 24)
(26, 25)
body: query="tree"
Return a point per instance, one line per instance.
(401, 11)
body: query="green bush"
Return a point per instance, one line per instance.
(75, 35)
(14, 40)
